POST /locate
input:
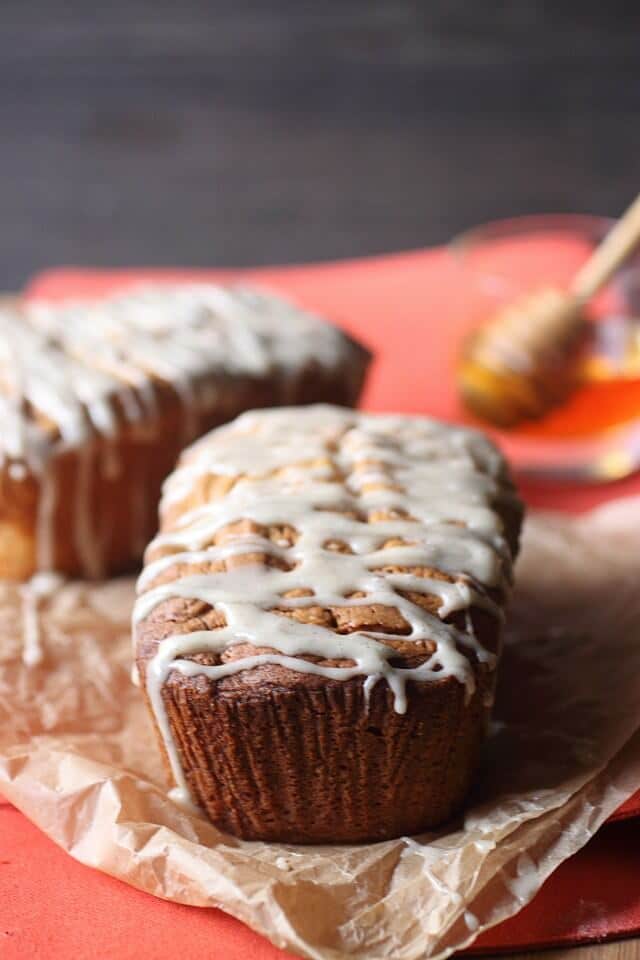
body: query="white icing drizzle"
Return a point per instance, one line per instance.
(41, 586)
(70, 373)
(471, 921)
(44, 528)
(525, 882)
(325, 472)
(412, 847)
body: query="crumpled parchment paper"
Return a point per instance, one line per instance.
(77, 756)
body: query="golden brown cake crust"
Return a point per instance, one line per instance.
(275, 753)
(85, 504)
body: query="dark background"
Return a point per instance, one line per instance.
(192, 132)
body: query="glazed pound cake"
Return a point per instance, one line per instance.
(96, 402)
(318, 621)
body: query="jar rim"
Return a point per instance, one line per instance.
(593, 225)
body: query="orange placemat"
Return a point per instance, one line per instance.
(407, 308)
(54, 908)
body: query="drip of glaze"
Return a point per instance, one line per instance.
(469, 918)
(45, 519)
(526, 880)
(17, 471)
(75, 365)
(412, 846)
(40, 587)
(471, 921)
(440, 484)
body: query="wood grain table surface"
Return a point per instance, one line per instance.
(619, 950)
(251, 132)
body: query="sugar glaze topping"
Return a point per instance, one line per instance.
(75, 371)
(398, 492)
(39, 588)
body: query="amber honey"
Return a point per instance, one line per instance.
(593, 433)
(592, 409)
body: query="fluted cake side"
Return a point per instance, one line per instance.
(98, 399)
(319, 620)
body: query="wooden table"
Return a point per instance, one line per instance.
(235, 133)
(620, 950)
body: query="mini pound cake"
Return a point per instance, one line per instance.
(319, 621)
(97, 400)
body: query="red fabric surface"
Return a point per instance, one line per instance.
(409, 309)
(593, 896)
(53, 908)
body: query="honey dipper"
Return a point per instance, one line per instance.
(525, 360)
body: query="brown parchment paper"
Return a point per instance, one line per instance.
(76, 755)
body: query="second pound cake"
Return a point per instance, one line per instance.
(318, 622)
(97, 400)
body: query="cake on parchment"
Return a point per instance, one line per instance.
(97, 400)
(319, 619)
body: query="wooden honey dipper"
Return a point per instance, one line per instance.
(525, 360)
